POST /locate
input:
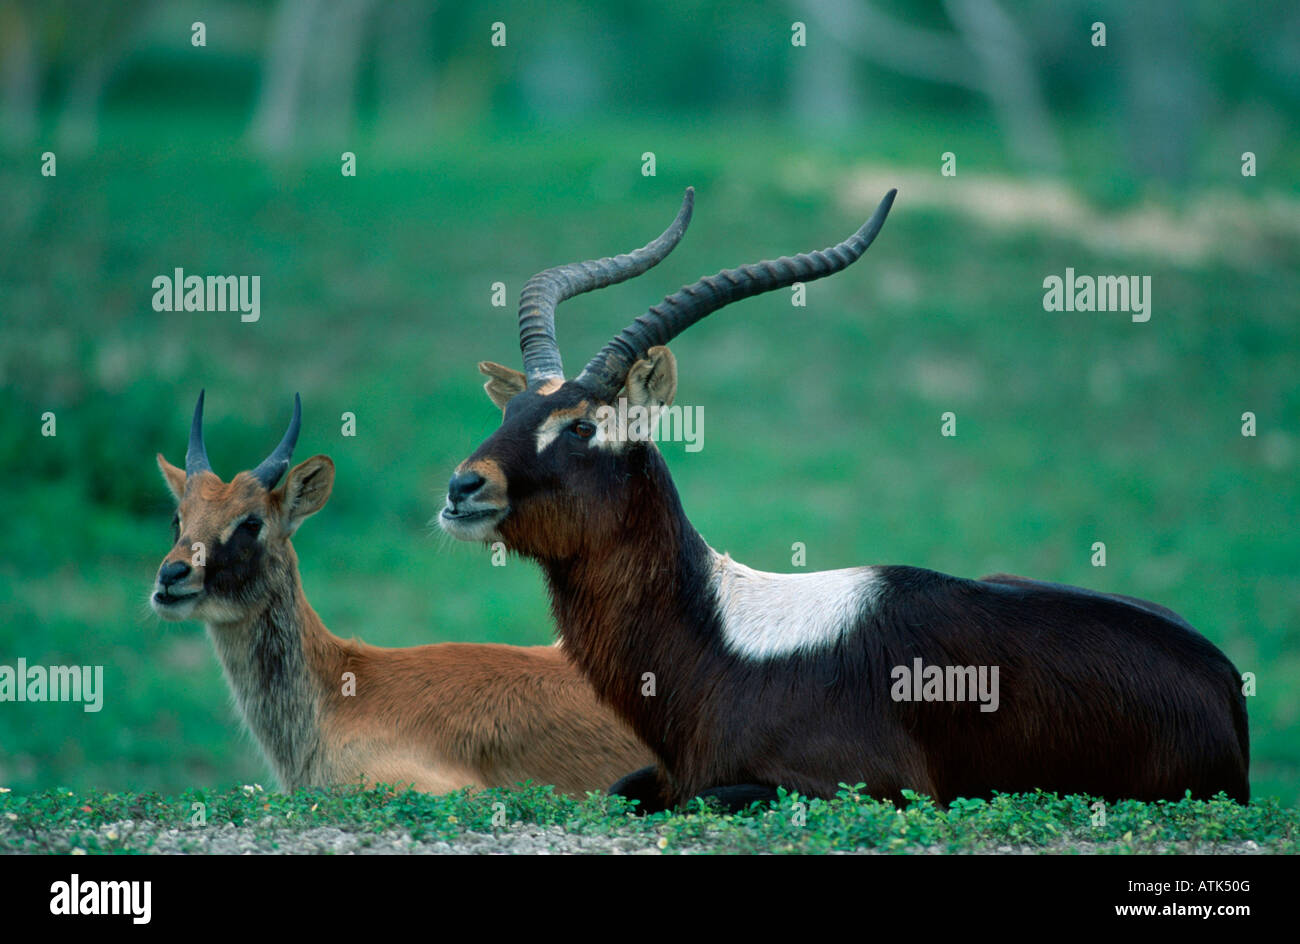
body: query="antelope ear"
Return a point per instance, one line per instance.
(306, 489)
(503, 382)
(652, 381)
(174, 477)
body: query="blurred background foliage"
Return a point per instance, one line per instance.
(479, 163)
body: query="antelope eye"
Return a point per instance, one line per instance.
(176, 527)
(583, 429)
(251, 526)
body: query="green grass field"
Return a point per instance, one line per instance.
(822, 424)
(536, 818)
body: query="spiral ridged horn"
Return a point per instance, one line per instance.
(544, 291)
(607, 371)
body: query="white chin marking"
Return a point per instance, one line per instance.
(174, 612)
(482, 529)
(768, 616)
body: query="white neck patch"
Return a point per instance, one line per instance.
(767, 616)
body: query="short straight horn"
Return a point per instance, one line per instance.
(196, 456)
(544, 291)
(607, 371)
(277, 463)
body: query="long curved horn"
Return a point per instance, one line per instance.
(544, 291)
(196, 456)
(275, 465)
(607, 371)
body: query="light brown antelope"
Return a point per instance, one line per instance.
(809, 680)
(327, 710)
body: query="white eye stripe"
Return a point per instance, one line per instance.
(553, 427)
(603, 438)
(608, 433)
(546, 435)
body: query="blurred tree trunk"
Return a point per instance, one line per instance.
(20, 76)
(405, 80)
(823, 89)
(310, 73)
(277, 111)
(107, 32)
(336, 72)
(1165, 95)
(1010, 81)
(988, 56)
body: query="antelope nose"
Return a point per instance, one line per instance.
(171, 573)
(462, 486)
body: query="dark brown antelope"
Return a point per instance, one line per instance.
(811, 680)
(327, 710)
